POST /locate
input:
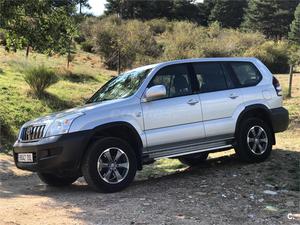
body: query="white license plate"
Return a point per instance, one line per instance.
(25, 157)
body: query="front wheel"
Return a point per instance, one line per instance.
(109, 165)
(254, 140)
(56, 180)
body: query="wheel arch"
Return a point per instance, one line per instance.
(122, 130)
(259, 111)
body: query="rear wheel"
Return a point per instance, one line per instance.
(254, 140)
(109, 165)
(56, 180)
(194, 159)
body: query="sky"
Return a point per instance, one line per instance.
(98, 6)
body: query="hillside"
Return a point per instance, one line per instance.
(18, 105)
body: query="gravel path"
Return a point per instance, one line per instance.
(221, 191)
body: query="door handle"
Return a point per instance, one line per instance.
(192, 102)
(233, 96)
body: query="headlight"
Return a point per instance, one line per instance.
(62, 125)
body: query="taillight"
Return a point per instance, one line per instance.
(277, 86)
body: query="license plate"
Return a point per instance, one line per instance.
(25, 157)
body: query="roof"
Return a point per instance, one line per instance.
(247, 59)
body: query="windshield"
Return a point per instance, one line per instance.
(122, 86)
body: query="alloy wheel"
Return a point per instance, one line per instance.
(113, 165)
(257, 140)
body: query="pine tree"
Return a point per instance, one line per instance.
(228, 13)
(294, 34)
(83, 4)
(270, 17)
(170, 9)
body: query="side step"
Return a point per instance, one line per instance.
(180, 150)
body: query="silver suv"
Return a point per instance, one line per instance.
(181, 109)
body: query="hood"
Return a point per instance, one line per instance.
(81, 109)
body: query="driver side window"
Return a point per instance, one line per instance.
(176, 80)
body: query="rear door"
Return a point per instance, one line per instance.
(178, 116)
(219, 98)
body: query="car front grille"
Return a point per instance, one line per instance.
(33, 133)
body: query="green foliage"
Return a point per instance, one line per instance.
(158, 26)
(271, 17)
(187, 40)
(294, 54)
(182, 41)
(45, 26)
(82, 4)
(159, 39)
(273, 54)
(2, 37)
(228, 13)
(127, 40)
(61, 30)
(147, 10)
(39, 78)
(87, 46)
(294, 34)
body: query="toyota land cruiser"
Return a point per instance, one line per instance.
(181, 109)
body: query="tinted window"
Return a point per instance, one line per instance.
(210, 76)
(247, 74)
(176, 80)
(229, 77)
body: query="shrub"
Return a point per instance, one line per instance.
(87, 46)
(130, 40)
(188, 40)
(182, 40)
(2, 37)
(229, 42)
(273, 54)
(39, 78)
(158, 26)
(137, 42)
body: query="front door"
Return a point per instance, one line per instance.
(178, 116)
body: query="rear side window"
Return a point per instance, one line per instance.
(247, 74)
(176, 80)
(210, 77)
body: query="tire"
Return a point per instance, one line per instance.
(254, 140)
(55, 180)
(104, 171)
(194, 159)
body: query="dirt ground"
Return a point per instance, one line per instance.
(221, 191)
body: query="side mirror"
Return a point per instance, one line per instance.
(155, 92)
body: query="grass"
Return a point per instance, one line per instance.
(291, 138)
(19, 105)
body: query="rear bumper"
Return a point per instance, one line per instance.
(57, 153)
(280, 119)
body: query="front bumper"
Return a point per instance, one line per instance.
(280, 119)
(52, 154)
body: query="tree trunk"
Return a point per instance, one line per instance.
(119, 62)
(68, 61)
(27, 51)
(290, 81)
(80, 8)
(69, 55)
